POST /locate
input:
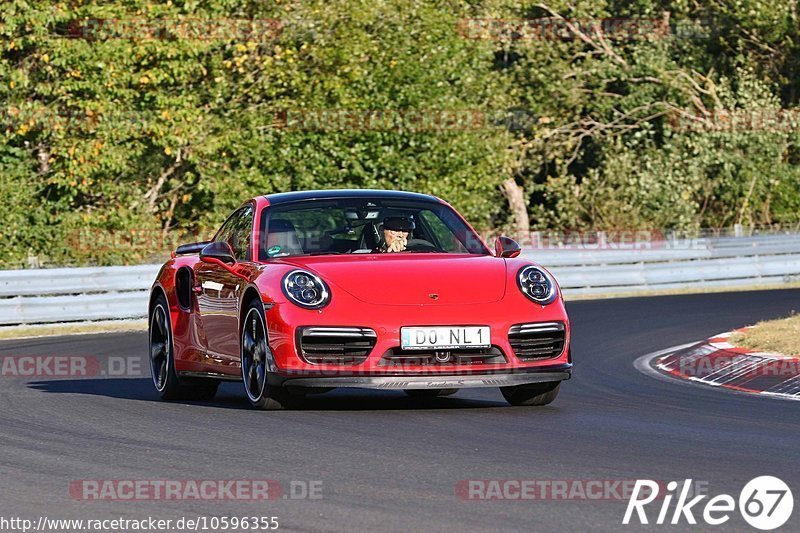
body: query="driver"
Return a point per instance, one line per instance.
(396, 232)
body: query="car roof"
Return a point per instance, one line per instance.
(295, 196)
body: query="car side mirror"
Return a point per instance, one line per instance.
(505, 247)
(192, 248)
(218, 250)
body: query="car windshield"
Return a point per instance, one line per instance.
(364, 226)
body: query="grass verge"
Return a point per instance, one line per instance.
(780, 336)
(75, 328)
(676, 292)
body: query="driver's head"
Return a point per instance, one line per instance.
(396, 231)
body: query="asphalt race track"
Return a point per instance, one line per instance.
(390, 463)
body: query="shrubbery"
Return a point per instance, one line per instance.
(121, 128)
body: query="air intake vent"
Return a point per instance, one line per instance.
(335, 345)
(542, 340)
(399, 357)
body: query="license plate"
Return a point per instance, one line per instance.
(444, 337)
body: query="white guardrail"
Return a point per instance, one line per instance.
(103, 293)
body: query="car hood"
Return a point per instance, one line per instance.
(412, 279)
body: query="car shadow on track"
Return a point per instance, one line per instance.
(127, 388)
(372, 400)
(230, 396)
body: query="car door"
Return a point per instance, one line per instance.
(219, 290)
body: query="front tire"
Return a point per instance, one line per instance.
(162, 360)
(256, 357)
(532, 394)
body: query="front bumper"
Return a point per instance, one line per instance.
(386, 321)
(507, 378)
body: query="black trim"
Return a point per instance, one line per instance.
(184, 281)
(429, 382)
(297, 196)
(538, 340)
(504, 378)
(193, 248)
(209, 375)
(336, 345)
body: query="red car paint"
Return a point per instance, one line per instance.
(383, 292)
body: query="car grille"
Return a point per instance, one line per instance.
(335, 345)
(542, 340)
(399, 357)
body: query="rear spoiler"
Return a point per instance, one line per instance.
(193, 248)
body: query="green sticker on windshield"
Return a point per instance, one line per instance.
(274, 250)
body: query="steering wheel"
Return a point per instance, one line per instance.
(420, 245)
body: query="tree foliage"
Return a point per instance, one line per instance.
(124, 126)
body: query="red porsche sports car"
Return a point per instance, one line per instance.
(302, 292)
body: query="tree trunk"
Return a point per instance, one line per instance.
(519, 210)
(43, 155)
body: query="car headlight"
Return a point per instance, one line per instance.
(537, 284)
(306, 289)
